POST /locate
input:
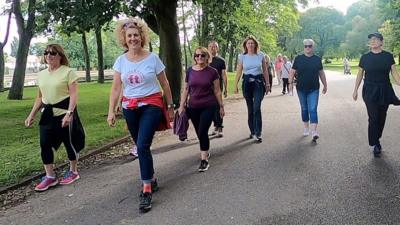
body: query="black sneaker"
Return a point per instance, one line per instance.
(377, 151)
(203, 166)
(144, 202)
(251, 136)
(259, 139)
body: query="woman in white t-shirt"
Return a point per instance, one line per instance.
(285, 69)
(139, 74)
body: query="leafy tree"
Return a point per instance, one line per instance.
(362, 19)
(30, 21)
(390, 10)
(2, 58)
(324, 26)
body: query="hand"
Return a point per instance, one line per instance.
(225, 94)
(355, 95)
(236, 90)
(267, 89)
(118, 108)
(171, 114)
(29, 121)
(324, 90)
(111, 119)
(66, 120)
(181, 110)
(221, 111)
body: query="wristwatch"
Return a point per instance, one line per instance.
(171, 106)
(69, 112)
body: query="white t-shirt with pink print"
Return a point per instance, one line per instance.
(139, 79)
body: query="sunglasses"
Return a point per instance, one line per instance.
(200, 55)
(128, 25)
(307, 46)
(53, 53)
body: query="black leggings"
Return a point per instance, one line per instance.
(51, 135)
(201, 119)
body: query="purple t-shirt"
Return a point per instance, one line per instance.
(201, 83)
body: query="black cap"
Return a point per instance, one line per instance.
(377, 35)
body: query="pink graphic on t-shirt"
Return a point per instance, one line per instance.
(135, 78)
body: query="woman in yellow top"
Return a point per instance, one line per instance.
(59, 123)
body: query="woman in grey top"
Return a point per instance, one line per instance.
(255, 83)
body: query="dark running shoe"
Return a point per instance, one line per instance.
(377, 151)
(203, 166)
(144, 202)
(259, 139)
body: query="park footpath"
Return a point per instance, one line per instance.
(286, 179)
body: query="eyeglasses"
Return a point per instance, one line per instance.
(200, 55)
(128, 25)
(53, 53)
(307, 46)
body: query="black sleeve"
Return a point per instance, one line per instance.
(295, 63)
(320, 66)
(361, 64)
(392, 62)
(223, 64)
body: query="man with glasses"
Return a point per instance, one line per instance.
(309, 71)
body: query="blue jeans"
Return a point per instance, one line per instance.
(253, 92)
(309, 104)
(142, 124)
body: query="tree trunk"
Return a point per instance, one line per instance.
(2, 63)
(184, 35)
(231, 55)
(2, 69)
(17, 86)
(150, 47)
(236, 58)
(399, 59)
(100, 60)
(223, 50)
(169, 44)
(204, 27)
(86, 56)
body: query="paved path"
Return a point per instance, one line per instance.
(284, 180)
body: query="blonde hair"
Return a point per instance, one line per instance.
(308, 41)
(250, 37)
(60, 50)
(203, 51)
(136, 23)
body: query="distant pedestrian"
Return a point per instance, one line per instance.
(140, 74)
(375, 67)
(285, 69)
(346, 66)
(59, 122)
(271, 70)
(219, 64)
(255, 85)
(309, 71)
(200, 98)
(278, 68)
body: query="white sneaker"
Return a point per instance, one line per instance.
(306, 132)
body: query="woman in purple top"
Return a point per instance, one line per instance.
(201, 96)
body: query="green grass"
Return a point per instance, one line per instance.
(337, 65)
(20, 152)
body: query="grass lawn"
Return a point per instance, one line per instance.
(338, 66)
(20, 152)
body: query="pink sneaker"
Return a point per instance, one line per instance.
(69, 178)
(46, 183)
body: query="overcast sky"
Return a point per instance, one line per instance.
(340, 5)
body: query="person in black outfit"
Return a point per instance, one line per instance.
(271, 70)
(219, 64)
(377, 91)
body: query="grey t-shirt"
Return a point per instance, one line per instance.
(252, 64)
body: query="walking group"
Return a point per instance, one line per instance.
(140, 87)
